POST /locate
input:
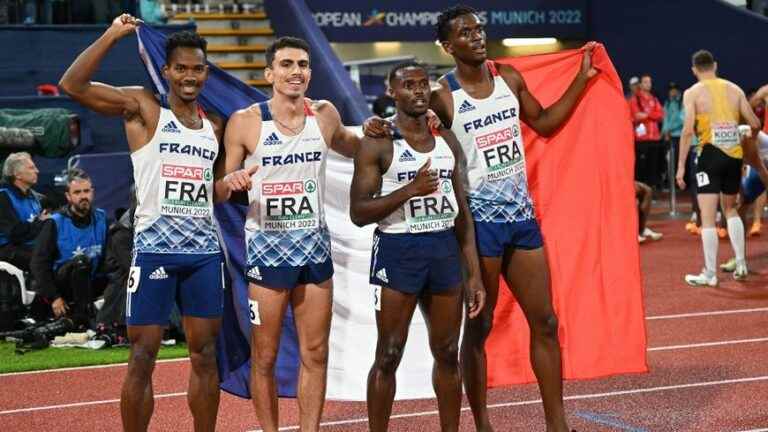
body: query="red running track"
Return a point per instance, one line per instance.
(708, 354)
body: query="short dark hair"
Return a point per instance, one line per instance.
(645, 75)
(443, 26)
(703, 60)
(75, 174)
(404, 65)
(185, 39)
(285, 42)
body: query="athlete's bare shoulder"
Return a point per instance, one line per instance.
(323, 108)
(441, 101)
(512, 76)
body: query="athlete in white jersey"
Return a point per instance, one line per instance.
(411, 186)
(483, 104)
(281, 145)
(176, 252)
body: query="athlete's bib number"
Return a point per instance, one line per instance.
(288, 206)
(501, 153)
(134, 275)
(185, 190)
(434, 212)
(725, 135)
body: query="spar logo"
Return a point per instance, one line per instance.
(182, 172)
(289, 188)
(494, 138)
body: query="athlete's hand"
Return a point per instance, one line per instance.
(474, 296)
(587, 69)
(433, 120)
(124, 25)
(240, 180)
(425, 182)
(377, 127)
(680, 177)
(59, 307)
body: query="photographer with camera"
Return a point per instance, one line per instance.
(69, 252)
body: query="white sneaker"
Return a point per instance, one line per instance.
(701, 279)
(729, 266)
(741, 272)
(647, 232)
(641, 239)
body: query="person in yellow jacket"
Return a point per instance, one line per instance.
(714, 108)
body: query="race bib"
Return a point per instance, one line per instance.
(702, 179)
(288, 206)
(185, 190)
(725, 135)
(134, 275)
(501, 153)
(434, 212)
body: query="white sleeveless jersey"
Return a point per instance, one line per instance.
(174, 189)
(435, 212)
(489, 132)
(285, 225)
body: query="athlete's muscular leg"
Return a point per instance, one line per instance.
(392, 321)
(708, 208)
(136, 398)
(527, 274)
(643, 194)
(443, 315)
(473, 361)
(265, 340)
(203, 394)
(728, 202)
(312, 312)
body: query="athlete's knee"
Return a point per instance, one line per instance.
(263, 360)
(446, 354)
(141, 361)
(479, 328)
(388, 359)
(545, 325)
(203, 359)
(314, 356)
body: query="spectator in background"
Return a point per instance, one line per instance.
(672, 126)
(647, 112)
(633, 84)
(69, 252)
(21, 213)
(152, 12)
(384, 105)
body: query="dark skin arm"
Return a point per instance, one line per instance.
(134, 104)
(545, 121)
(371, 161)
(465, 231)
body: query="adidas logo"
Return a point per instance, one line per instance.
(272, 139)
(407, 157)
(254, 273)
(382, 275)
(465, 107)
(170, 128)
(158, 274)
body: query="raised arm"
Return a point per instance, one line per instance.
(103, 98)
(340, 139)
(365, 205)
(686, 136)
(230, 177)
(545, 121)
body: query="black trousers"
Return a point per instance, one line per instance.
(76, 284)
(648, 156)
